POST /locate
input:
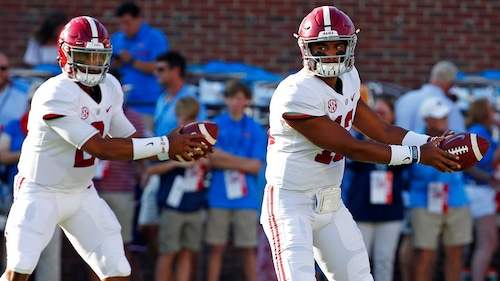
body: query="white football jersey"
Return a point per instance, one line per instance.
(293, 162)
(51, 155)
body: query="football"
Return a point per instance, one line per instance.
(469, 147)
(207, 128)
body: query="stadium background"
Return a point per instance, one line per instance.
(399, 41)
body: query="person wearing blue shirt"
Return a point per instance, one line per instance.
(442, 80)
(481, 185)
(13, 102)
(135, 48)
(170, 69)
(438, 205)
(181, 202)
(238, 157)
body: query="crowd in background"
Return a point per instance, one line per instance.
(405, 213)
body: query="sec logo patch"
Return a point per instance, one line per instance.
(84, 113)
(332, 105)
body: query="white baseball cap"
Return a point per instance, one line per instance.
(434, 107)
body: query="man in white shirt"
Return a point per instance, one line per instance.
(442, 80)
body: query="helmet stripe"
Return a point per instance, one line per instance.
(326, 18)
(93, 28)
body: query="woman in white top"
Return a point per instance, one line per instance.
(42, 45)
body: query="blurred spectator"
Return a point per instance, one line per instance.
(170, 70)
(438, 204)
(442, 79)
(13, 102)
(11, 140)
(233, 195)
(374, 199)
(480, 185)
(181, 198)
(41, 52)
(135, 48)
(115, 181)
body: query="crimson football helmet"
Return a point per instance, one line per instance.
(327, 23)
(84, 50)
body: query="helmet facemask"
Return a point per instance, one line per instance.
(87, 65)
(314, 62)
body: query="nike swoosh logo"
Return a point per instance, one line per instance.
(149, 143)
(456, 137)
(107, 109)
(406, 159)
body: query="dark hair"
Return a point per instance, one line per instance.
(174, 59)
(235, 86)
(49, 26)
(128, 8)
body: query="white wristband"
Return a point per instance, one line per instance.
(147, 147)
(401, 155)
(412, 138)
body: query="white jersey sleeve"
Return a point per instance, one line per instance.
(62, 118)
(120, 126)
(293, 162)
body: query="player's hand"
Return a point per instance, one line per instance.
(185, 146)
(444, 135)
(432, 155)
(447, 133)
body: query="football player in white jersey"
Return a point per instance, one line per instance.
(311, 113)
(77, 118)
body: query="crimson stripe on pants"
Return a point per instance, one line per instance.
(273, 225)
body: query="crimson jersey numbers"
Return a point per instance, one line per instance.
(326, 156)
(80, 160)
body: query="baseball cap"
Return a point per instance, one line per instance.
(434, 107)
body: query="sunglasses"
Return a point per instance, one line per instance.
(160, 69)
(4, 68)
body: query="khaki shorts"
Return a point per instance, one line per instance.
(122, 204)
(455, 227)
(244, 225)
(178, 230)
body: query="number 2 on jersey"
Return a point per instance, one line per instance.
(80, 160)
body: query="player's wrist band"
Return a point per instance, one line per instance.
(163, 156)
(147, 147)
(412, 138)
(401, 155)
(415, 154)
